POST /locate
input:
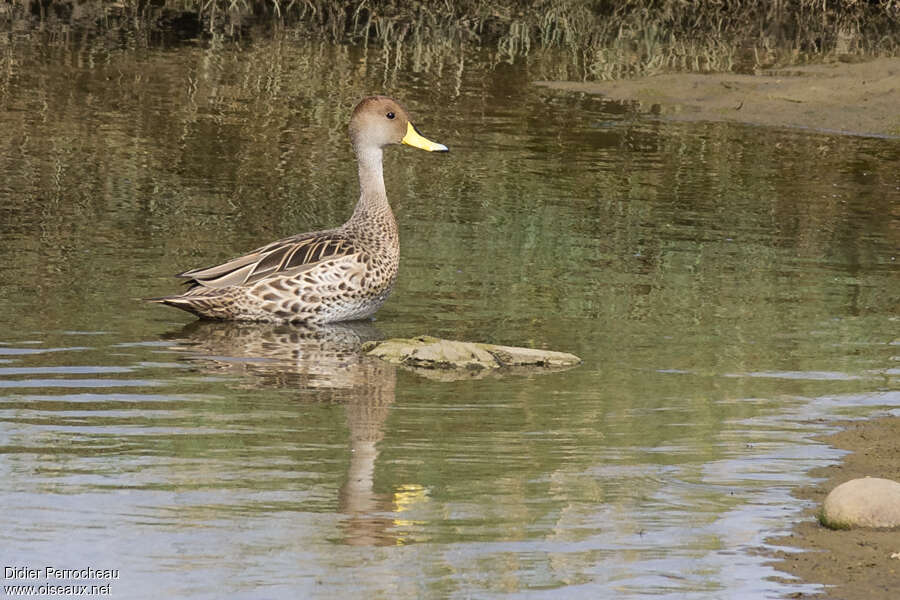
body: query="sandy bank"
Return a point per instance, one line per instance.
(860, 98)
(857, 563)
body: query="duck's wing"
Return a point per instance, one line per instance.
(290, 254)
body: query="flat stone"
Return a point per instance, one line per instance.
(426, 352)
(865, 502)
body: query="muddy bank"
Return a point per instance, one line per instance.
(860, 98)
(855, 564)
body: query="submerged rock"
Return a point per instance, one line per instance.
(426, 353)
(865, 502)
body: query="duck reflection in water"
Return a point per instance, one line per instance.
(324, 364)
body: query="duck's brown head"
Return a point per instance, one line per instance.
(379, 121)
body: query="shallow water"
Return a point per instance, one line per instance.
(732, 290)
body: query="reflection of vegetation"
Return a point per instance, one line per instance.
(597, 39)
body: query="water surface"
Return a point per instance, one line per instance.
(733, 292)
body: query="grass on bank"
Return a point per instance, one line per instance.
(600, 39)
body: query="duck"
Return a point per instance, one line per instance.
(335, 275)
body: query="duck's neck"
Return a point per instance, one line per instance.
(373, 209)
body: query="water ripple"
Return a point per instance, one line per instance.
(8, 351)
(79, 383)
(68, 370)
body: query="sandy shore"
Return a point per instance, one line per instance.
(859, 98)
(855, 564)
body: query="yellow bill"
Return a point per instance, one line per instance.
(417, 140)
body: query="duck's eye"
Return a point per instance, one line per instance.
(390, 115)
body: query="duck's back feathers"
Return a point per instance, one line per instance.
(290, 254)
